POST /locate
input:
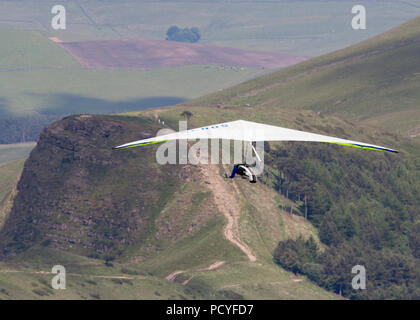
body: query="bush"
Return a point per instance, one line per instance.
(183, 35)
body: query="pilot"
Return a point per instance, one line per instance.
(245, 171)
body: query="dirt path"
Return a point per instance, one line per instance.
(172, 276)
(213, 266)
(415, 132)
(55, 39)
(224, 193)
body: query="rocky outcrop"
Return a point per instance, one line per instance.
(78, 194)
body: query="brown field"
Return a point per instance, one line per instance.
(152, 54)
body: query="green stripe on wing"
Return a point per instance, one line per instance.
(140, 144)
(365, 147)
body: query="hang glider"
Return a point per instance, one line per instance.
(251, 132)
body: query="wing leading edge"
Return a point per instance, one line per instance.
(251, 131)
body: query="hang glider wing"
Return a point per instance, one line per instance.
(250, 131)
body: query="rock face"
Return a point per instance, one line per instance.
(78, 194)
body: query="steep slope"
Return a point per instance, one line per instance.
(375, 81)
(56, 201)
(81, 204)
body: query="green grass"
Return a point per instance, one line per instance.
(28, 285)
(258, 281)
(10, 152)
(103, 91)
(191, 254)
(9, 173)
(196, 251)
(146, 281)
(12, 159)
(31, 49)
(268, 283)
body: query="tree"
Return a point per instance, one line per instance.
(172, 30)
(183, 35)
(186, 114)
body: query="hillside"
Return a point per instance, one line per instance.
(164, 225)
(355, 199)
(176, 250)
(374, 82)
(364, 205)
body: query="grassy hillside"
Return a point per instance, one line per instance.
(353, 197)
(193, 265)
(31, 49)
(125, 227)
(374, 82)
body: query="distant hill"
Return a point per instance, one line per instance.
(375, 82)
(152, 54)
(308, 28)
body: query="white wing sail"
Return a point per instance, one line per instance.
(251, 131)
